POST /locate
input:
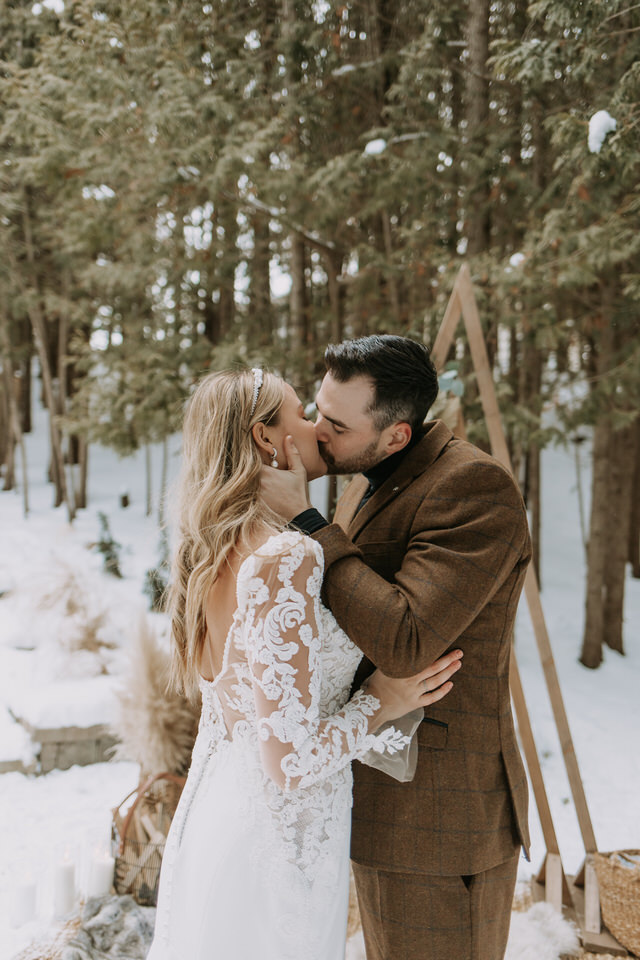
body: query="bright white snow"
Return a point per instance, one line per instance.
(38, 664)
(600, 124)
(375, 147)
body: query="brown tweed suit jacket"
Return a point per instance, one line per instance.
(436, 560)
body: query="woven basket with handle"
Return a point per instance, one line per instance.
(139, 836)
(619, 881)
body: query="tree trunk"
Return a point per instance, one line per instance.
(336, 296)
(534, 505)
(14, 431)
(620, 480)
(298, 316)
(24, 371)
(634, 518)
(591, 655)
(392, 283)
(147, 468)
(40, 337)
(260, 286)
(532, 362)
(599, 532)
(477, 116)
(83, 471)
(7, 439)
(164, 472)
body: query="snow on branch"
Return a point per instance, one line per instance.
(600, 124)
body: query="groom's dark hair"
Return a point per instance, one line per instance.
(404, 377)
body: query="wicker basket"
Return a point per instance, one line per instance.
(139, 837)
(619, 881)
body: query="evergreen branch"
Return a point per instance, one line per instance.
(281, 216)
(621, 13)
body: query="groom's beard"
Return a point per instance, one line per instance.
(362, 461)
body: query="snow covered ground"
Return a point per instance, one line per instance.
(42, 675)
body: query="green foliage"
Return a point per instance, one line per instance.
(159, 159)
(108, 547)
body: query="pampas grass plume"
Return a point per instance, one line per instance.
(156, 726)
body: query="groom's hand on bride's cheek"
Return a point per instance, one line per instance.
(285, 491)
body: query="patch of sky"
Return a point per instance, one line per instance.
(198, 237)
(249, 88)
(57, 6)
(189, 173)
(320, 10)
(99, 340)
(241, 284)
(245, 242)
(101, 192)
(165, 225)
(279, 279)
(353, 265)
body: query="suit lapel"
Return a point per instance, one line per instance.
(348, 502)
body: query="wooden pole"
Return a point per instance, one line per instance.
(462, 303)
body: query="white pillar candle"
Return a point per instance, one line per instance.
(23, 907)
(64, 886)
(100, 875)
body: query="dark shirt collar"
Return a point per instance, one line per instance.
(383, 470)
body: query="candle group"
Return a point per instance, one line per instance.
(23, 907)
(64, 885)
(101, 871)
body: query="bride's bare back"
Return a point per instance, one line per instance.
(221, 607)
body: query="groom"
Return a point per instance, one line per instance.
(427, 552)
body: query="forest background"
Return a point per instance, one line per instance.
(187, 185)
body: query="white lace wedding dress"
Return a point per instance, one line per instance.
(256, 865)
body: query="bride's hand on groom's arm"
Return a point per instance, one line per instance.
(285, 491)
(399, 696)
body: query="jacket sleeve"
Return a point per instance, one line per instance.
(467, 536)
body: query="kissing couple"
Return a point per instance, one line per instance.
(315, 644)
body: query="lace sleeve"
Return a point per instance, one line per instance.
(297, 747)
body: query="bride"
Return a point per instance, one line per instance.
(256, 865)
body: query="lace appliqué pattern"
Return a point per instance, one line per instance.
(276, 739)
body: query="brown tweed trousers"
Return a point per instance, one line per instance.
(435, 560)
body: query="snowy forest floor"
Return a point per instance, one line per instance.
(39, 554)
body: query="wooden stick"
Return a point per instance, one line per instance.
(447, 330)
(591, 898)
(500, 450)
(531, 756)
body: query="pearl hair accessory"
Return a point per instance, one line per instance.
(258, 378)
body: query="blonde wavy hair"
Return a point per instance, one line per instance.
(217, 501)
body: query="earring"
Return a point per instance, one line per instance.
(274, 458)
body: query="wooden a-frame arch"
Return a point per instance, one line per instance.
(579, 894)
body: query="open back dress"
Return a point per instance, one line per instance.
(256, 865)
